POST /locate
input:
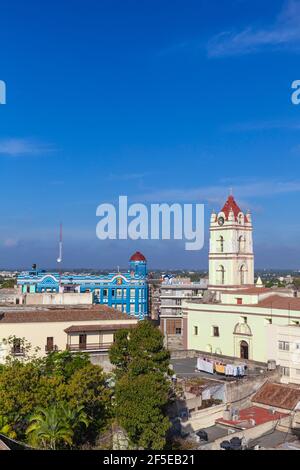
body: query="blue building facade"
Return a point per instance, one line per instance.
(126, 292)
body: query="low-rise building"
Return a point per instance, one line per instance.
(58, 298)
(87, 330)
(237, 325)
(154, 285)
(126, 292)
(9, 296)
(284, 348)
(173, 291)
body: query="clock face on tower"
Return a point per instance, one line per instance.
(221, 220)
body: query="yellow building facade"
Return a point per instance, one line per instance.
(239, 324)
(234, 318)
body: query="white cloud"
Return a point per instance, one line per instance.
(10, 243)
(15, 147)
(126, 176)
(217, 194)
(262, 126)
(284, 32)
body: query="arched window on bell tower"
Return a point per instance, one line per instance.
(221, 244)
(221, 274)
(241, 244)
(242, 274)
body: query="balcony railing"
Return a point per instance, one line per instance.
(51, 348)
(17, 351)
(89, 347)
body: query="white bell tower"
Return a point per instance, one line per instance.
(231, 259)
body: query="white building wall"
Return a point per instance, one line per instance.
(66, 298)
(287, 355)
(230, 253)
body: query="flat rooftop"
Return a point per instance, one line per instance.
(187, 368)
(273, 440)
(214, 432)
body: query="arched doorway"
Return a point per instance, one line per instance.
(244, 350)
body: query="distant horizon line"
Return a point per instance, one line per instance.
(123, 269)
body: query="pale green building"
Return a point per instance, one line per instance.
(237, 325)
(233, 318)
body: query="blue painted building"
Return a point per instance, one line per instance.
(127, 292)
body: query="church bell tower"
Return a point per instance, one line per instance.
(231, 259)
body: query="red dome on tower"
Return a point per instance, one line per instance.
(138, 256)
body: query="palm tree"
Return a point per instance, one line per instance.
(50, 428)
(6, 428)
(76, 416)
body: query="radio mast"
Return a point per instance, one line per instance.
(59, 259)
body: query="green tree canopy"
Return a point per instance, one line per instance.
(23, 388)
(140, 350)
(64, 363)
(140, 409)
(6, 428)
(142, 387)
(87, 388)
(62, 380)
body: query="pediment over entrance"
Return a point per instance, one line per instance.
(242, 329)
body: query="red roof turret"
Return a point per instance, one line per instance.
(230, 204)
(137, 256)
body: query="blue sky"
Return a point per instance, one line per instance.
(159, 100)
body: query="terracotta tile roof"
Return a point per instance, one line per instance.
(277, 395)
(249, 291)
(259, 415)
(63, 314)
(230, 204)
(86, 328)
(280, 302)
